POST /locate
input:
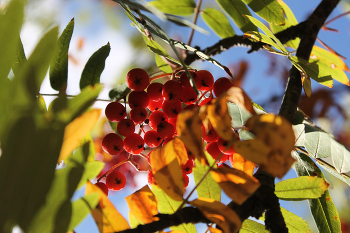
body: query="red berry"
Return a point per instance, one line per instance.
(187, 168)
(138, 99)
(222, 85)
(138, 115)
(165, 129)
(152, 138)
(184, 80)
(172, 90)
(173, 122)
(189, 96)
(115, 111)
(115, 180)
(154, 91)
(172, 108)
(205, 80)
(213, 149)
(137, 79)
(103, 187)
(210, 136)
(126, 127)
(222, 144)
(186, 180)
(155, 105)
(133, 144)
(150, 178)
(205, 101)
(155, 118)
(112, 144)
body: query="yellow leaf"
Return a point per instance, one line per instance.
(218, 213)
(167, 172)
(178, 147)
(238, 96)
(318, 52)
(254, 150)
(188, 127)
(77, 130)
(236, 184)
(107, 218)
(306, 82)
(220, 118)
(242, 164)
(143, 205)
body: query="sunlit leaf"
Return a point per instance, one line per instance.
(175, 7)
(242, 164)
(106, 216)
(77, 130)
(236, 10)
(336, 73)
(143, 205)
(162, 64)
(235, 183)
(299, 132)
(323, 209)
(92, 170)
(294, 223)
(259, 37)
(218, 213)
(343, 177)
(301, 188)
(238, 96)
(134, 222)
(269, 10)
(331, 58)
(254, 150)
(218, 22)
(59, 65)
(119, 91)
(250, 226)
(94, 67)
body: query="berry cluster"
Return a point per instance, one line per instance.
(151, 121)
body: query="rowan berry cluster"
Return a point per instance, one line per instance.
(153, 109)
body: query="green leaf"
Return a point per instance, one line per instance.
(59, 65)
(120, 91)
(236, 9)
(238, 114)
(208, 187)
(267, 32)
(289, 21)
(94, 67)
(20, 59)
(81, 208)
(218, 22)
(167, 205)
(182, 22)
(323, 208)
(301, 188)
(336, 73)
(250, 226)
(55, 215)
(269, 10)
(328, 56)
(175, 7)
(257, 36)
(295, 224)
(340, 157)
(162, 65)
(134, 222)
(317, 142)
(92, 169)
(29, 153)
(343, 177)
(299, 131)
(10, 26)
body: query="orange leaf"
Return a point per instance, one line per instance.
(242, 164)
(167, 171)
(143, 205)
(178, 147)
(318, 52)
(254, 150)
(238, 96)
(76, 131)
(218, 213)
(188, 127)
(214, 230)
(236, 184)
(107, 218)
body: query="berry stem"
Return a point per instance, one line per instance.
(114, 167)
(201, 96)
(196, 13)
(160, 76)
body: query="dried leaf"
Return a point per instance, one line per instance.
(254, 150)
(242, 164)
(218, 213)
(236, 184)
(143, 205)
(107, 218)
(178, 147)
(306, 82)
(188, 127)
(238, 96)
(76, 131)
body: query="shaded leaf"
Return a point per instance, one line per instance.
(238, 114)
(317, 142)
(94, 67)
(143, 205)
(301, 188)
(218, 22)
(218, 213)
(250, 226)
(345, 178)
(238, 96)
(299, 132)
(306, 81)
(107, 218)
(235, 183)
(340, 157)
(162, 64)
(92, 170)
(269, 10)
(20, 58)
(59, 65)
(236, 9)
(120, 91)
(175, 7)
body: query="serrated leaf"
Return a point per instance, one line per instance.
(94, 67)
(301, 188)
(343, 177)
(218, 22)
(208, 188)
(59, 65)
(119, 91)
(77, 130)
(340, 157)
(269, 10)
(236, 9)
(175, 7)
(250, 226)
(299, 132)
(317, 142)
(323, 208)
(106, 216)
(162, 65)
(294, 223)
(167, 205)
(81, 208)
(331, 58)
(56, 213)
(20, 58)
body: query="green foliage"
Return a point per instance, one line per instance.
(162, 64)
(269, 10)
(250, 226)
(134, 222)
(295, 224)
(218, 22)
(119, 91)
(175, 7)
